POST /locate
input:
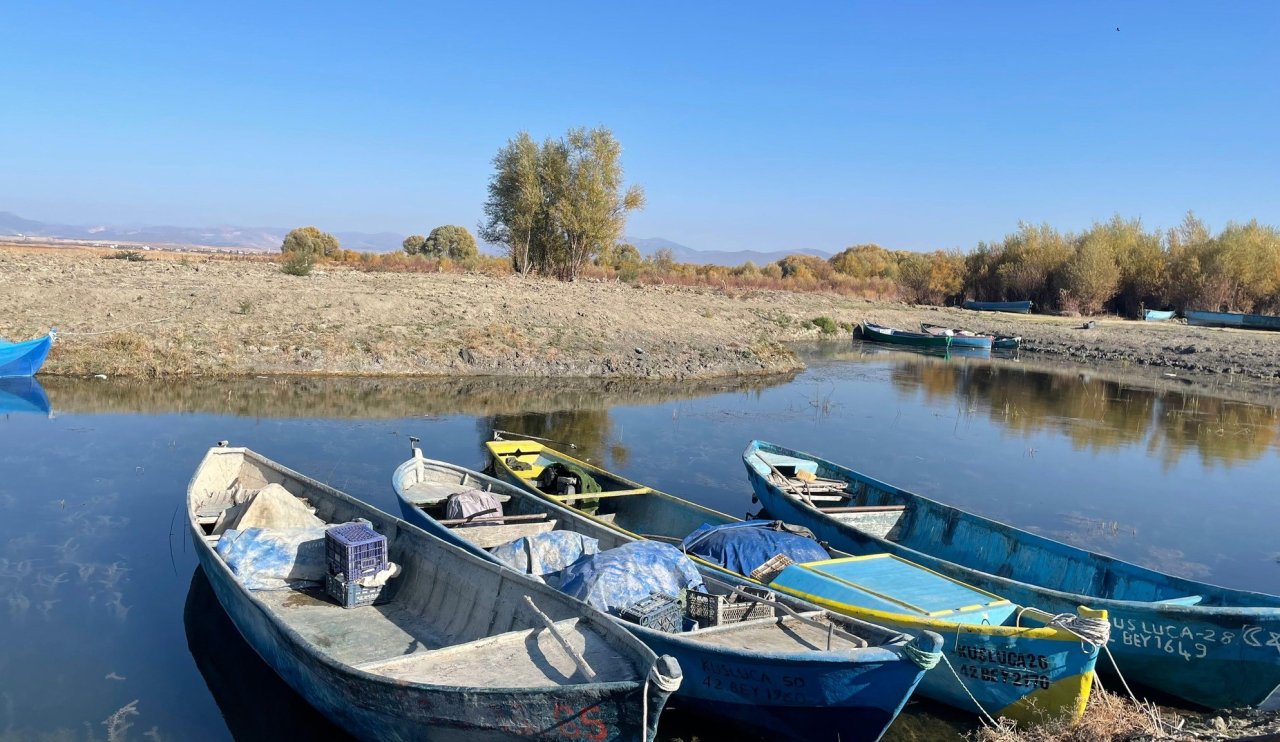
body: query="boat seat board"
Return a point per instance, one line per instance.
(789, 465)
(428, 493)
(775, 635)
(487, 537)
(885, 582)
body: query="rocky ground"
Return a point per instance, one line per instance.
(194, 315)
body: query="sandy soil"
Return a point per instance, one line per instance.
(193, 315)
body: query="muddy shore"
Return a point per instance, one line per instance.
(176, 315)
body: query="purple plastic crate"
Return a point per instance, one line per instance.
(354, 550)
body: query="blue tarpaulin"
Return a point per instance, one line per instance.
(275, 558)
(621, 577)
(543, 553)
(741, 547)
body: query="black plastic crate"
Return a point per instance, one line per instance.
(353, 594)
(354, 550)
(658, 611)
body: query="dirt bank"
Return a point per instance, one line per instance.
(192, 315)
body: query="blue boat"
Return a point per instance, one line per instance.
(1018, 663)
(1016, 307)
(25, 358)
(1158, 315)
(22, 394)
(1201, 318)
(1212, 646)
(959, 338)
(766, 668)
(461, 650)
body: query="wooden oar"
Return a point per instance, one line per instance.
(577, 658)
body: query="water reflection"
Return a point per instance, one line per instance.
(254, 701)
(22, 394)
(1096, 413)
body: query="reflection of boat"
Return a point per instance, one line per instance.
(967, 339)
(1205, 644)
(1231, 319)
(24, 358)
(784, 676)
(891, 336)
(992, 658)
(458, 652)
(22, 394)
(256, 704)
(1157, 315)
(1017, 307)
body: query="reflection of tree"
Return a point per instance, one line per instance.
(1098, 413)
(588, 429)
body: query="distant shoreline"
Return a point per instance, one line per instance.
(192, 314)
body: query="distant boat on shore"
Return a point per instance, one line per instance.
(1157, 315)
(1016, 307)
(1201, 318)
(26, 357)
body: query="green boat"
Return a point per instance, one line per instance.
(879, 334)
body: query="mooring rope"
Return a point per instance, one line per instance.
(925, 659)
(965, 688)
(1095, 632)
(661, 682)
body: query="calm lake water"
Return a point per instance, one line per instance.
(102, 609)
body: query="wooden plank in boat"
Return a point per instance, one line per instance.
(487, 537)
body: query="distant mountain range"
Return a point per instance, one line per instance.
(269, 239)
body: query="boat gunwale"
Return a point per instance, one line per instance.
(341, 668)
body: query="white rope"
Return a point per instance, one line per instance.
(965, 688)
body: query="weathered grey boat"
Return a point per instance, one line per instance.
(458, 653)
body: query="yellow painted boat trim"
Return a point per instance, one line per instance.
(1065, 698)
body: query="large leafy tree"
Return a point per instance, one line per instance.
(413, 244)
(450, 241)
(310, 241)
(558, 206)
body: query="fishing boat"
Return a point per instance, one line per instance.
(1016, 307)
(880, 334)
(1212, 646)
(782, 665)
(461, 649)
(1000, 658)
(962, 338)
(25, 358)
(1201, 318)
(23, 394)
(1157, 315)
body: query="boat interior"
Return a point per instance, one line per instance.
(763, 627)
(449, 619)
(982, 544)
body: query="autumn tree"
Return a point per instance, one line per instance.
(450, 241)
(310, 241)
(413, 244)
(865, 261)
(517, 200)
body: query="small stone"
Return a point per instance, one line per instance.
(1219, 724)
(640, 351)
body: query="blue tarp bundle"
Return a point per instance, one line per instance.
(544, 553)
(621, 577)
(275, 558)
(741, 547)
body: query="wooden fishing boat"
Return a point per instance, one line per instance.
(1231, 319)
(770, 669)
(26, 357)
(1014, 660)
(1016, 307)
(1209, 645)
(1007, 342)
(890, 336)
(1157, 315)
(463, 650)
(22, 394)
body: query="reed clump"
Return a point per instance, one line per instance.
(1107, 718)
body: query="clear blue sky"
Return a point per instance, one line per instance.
(751, 126)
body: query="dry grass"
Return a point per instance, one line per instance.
(1108, 718)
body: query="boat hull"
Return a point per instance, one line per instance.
(909, 339)
(1156, 315)
(1231, 319)
(802, 696)
(1214, 656)
(1015, 307)
(25, 358)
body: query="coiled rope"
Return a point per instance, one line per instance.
(1094, 632)
(923, 658)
